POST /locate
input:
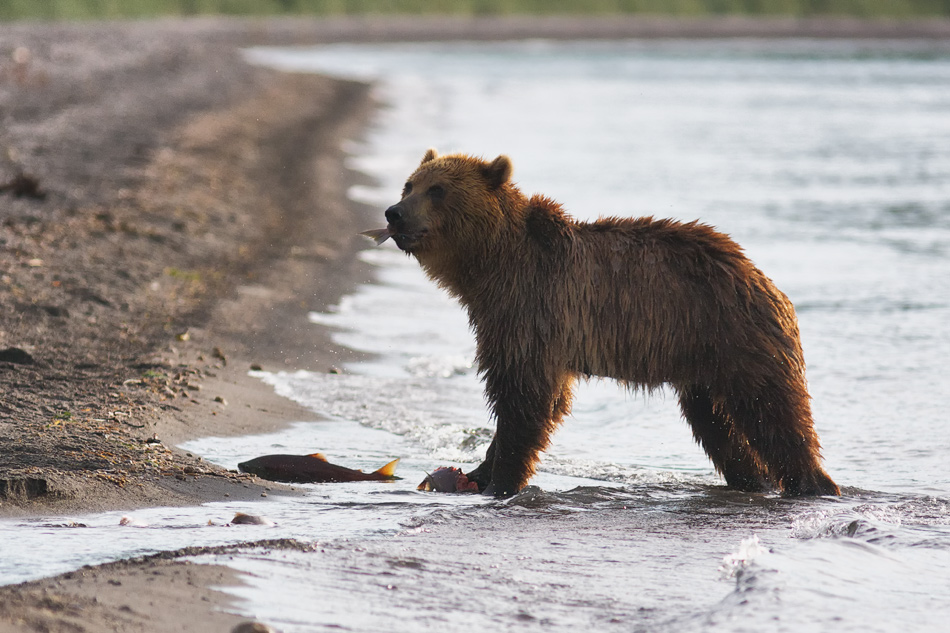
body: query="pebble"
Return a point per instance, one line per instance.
(250, 519)
(17, 356)
(252, 627)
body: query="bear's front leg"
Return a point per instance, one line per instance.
(512, 469)
(481, 475)
(527, 409)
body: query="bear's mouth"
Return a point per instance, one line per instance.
(407, 240)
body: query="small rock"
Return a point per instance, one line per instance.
(17, 356)
(24, 186)
(221, 400)
(256, 367)
(252, 627)
(22, 55)
(55, 311)
(250, 519)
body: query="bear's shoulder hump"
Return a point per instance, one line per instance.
(546, 222)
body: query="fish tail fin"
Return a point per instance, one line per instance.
(378, 235)
(389, 470)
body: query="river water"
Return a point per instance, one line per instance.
(828, 161)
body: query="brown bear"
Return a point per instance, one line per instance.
(646, 302)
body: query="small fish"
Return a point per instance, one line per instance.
(311, 469)
(378, 235)
(447, 480)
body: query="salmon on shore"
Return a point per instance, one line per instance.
(311, 469)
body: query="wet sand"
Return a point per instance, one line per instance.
(169, 216)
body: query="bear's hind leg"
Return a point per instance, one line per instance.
(727, 448)
(777, 422)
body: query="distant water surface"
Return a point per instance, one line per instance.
(828, 161)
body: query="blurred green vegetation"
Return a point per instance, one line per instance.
(97, 9)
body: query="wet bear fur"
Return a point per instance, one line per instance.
(646, 302)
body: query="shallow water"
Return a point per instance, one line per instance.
(828, 162)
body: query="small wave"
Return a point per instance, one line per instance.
(823, 524)
(734, 565)
(914, 522)
(868, 305)
(440, 366)
(580, 499)
(443, 422)
(626, 475)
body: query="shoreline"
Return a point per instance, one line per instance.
(137, 303)
(179, 242)
(191, 211)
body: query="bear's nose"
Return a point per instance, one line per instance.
(394, 214)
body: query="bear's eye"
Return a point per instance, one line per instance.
(407, 189)
(436, 191)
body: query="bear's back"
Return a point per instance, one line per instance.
(659, 288)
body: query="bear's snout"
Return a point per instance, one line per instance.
(405, 229)
(394, 214)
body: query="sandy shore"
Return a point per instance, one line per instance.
(169, 216)
(182, 213)
(186, 202)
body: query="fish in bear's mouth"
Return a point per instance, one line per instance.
(378, 235)
(405, 241)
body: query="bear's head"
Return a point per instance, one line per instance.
(450, 201)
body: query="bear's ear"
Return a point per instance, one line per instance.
(431, 154)
(498, 171)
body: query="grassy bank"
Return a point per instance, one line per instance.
(98, 9)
